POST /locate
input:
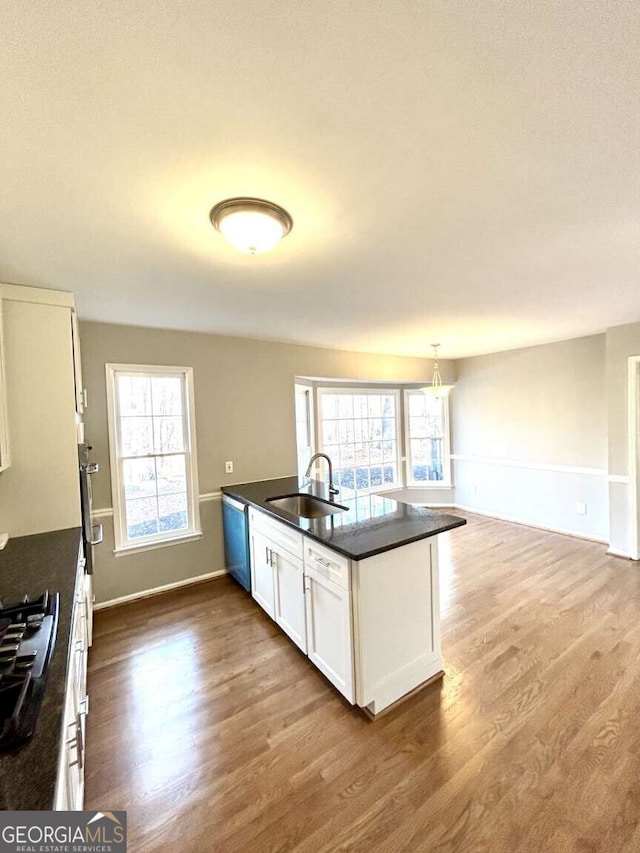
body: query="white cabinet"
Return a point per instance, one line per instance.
(40, 490)
(277, 574)
(77, 367)
(5, 457)
(329, 618)
(89, 598)
(329, 630)
(262, 572)
(371, 626)
(396, 615)
(288, 573)
(70, 785)
(304, 587)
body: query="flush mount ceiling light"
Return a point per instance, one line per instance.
(251, 225)
(437, 389)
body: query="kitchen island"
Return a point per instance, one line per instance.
(357, 589)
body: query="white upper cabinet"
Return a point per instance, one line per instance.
(40, 490)
(5, 456)
(81, 401)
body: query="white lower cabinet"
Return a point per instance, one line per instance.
(89, 599)
(288, 574)
(70, 785)
(371, 626)
(329, 630)
(305, 588)
(262, 572)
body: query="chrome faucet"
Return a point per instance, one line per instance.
(332, 489)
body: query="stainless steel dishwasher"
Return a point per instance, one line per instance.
(235, 526)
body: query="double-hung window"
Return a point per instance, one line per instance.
(426, 439)
(358, 429)
(153, 455)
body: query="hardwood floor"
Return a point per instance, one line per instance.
(216, 734)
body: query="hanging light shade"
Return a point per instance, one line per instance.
(251, 225)
(437, 389)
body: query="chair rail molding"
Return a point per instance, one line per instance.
(107, 511)
(533, 466)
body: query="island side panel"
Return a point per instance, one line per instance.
(396, 611)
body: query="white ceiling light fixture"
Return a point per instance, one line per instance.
(251, 225)
(437, 389)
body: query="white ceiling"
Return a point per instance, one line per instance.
(466, 172)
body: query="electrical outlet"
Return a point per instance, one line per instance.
(581, 508)
(228, 467)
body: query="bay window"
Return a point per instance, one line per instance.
(379, 439)
(359, 430)
(427, 439)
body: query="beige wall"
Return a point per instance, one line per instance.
(530, 436)
(544, 404)
(244, 412)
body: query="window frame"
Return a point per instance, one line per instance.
(124, 545)
(382, 390)
(300, 388)
(446, 482)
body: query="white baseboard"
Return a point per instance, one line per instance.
(623, 554)
(158, 590)
(560, 530)
(432, 505)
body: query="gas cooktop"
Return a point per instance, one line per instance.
(27, 638)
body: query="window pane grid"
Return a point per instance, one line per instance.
(359, 434)
(155, 494)
(152, 445)
(426, 437)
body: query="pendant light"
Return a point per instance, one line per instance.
(437, 389)
(251, 225)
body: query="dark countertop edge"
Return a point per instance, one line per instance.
(29, 777)
(229, 490)
(384, 549)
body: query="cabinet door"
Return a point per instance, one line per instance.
(288, 573)
(262, 572)
(5, 459)
(88, 597)
(329, 631)
(77, 368)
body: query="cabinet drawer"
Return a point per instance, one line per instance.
(327, 563)
(282, 535)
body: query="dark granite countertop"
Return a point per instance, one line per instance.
(370, 525)
(28, 566)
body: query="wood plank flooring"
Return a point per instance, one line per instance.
(215, 734)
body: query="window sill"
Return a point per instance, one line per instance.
(161, 543)
(428, 486)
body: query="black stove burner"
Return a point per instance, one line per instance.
(27, 638)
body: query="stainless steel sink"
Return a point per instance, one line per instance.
(306, 506)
